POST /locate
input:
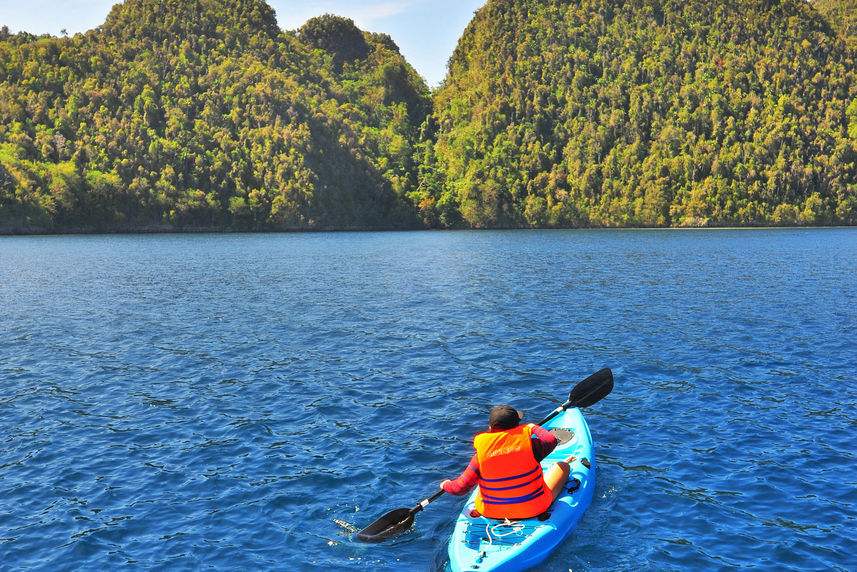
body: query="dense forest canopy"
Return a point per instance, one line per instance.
(842, 15)
(203, 114)
(647, 113)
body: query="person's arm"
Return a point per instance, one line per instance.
(544, 442)
(466, 481)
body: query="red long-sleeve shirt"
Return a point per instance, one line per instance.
(543, 442)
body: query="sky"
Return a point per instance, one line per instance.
(426, 31)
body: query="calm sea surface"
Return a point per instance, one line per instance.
(247, 402)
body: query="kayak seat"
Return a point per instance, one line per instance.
(562, 435)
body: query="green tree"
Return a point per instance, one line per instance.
(203, 114)
(657, 113)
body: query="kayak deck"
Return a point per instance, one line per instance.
(481, 544)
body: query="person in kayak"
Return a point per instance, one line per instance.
(506, 468)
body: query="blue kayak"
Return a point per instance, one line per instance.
(481, 544)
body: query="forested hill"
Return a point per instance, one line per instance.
(648, 112)
(203, 114)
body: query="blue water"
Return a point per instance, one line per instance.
(246, 402)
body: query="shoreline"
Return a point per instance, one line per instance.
(156, 230)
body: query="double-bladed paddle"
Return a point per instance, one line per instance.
(588, 392)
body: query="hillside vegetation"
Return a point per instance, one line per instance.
(842, 15)
(204, 115)
(646, 113)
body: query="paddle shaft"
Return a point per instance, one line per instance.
(555, 412)
(425, 502)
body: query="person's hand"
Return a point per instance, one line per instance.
(443, 483)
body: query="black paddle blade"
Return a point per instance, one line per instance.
(393, 523)
(592, 389)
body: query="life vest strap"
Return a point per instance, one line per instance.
(518, 486)
(521, 476)
(511, 500)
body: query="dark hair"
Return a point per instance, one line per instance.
(504, 417)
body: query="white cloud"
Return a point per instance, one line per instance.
(365, 13)
(382, 11)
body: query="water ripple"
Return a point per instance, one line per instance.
(250, 401)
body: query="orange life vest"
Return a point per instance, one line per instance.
(511, 484)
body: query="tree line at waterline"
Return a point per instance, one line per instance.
(203, 114)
